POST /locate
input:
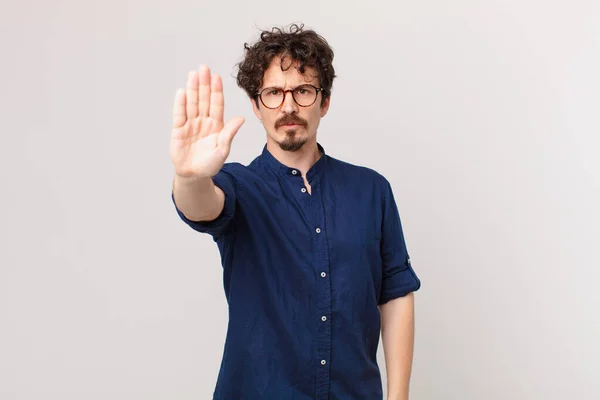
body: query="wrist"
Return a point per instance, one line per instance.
(193, 180)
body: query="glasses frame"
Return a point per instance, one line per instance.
(285, 92)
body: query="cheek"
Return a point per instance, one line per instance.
(314, 117)
(267, 119)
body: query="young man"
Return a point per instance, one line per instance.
(313, 255)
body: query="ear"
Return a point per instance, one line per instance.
(325, 107)
(256, 109)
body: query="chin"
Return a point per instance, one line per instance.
(292, 141)
(292, 147)
(292, 144)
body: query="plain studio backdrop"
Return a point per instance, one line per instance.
(484, 116)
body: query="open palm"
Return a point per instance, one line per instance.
(200, 141)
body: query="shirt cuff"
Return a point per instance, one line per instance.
(217, 226)
(399, 284)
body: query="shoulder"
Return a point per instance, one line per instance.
(359, 173)
(242, 175)
(233, 168)
(237, 171)
(243, 170)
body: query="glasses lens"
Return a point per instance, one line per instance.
(272, 97)
(305, 95)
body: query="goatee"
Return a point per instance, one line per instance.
(290, 143)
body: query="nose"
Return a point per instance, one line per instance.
(289, 106)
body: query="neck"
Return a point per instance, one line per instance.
(302, 159)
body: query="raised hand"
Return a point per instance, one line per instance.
(200, 142)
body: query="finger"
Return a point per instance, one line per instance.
(228, 133)
(204, 91)
(179, 114)
(192, 95)
(216, 98)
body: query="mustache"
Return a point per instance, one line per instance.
(290, 119)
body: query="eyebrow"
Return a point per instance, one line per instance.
(280, 87)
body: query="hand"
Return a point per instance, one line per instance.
(200, 142)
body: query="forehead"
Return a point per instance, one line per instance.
(290, 77)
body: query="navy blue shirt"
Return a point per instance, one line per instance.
(303, 276)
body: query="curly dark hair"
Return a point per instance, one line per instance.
(304, 46)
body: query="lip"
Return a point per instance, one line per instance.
(289, 125)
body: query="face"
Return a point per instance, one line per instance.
(290, 125)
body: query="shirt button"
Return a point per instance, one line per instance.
(323, 318)
(323, 274)
(323, 362)
(294, 172)
(318, 230)
(303, 190)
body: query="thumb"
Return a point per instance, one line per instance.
(227, 134)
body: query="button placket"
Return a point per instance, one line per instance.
(317, 217)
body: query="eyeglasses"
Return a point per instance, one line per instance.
(303, 95)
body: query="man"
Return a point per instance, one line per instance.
(313, 254)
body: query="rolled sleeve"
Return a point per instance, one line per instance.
(224, 180)
(399, 278)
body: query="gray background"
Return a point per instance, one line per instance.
(483, 115)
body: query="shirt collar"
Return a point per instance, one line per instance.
(280, 168)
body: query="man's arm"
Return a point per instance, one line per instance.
(200, 145)
(198, 199)
(398, 331)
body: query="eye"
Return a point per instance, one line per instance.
(305, 90)
(271, 92)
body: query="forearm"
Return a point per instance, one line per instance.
(397, 331)
(198, 199)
